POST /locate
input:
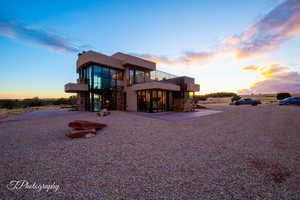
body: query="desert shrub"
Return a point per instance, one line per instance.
(235, 98)
(9, 104)
(61, 101)
(214, 95)
(33, 102)
(200, 98)
(221, 94)
(281, 96)
(65, 101)
(72, 100)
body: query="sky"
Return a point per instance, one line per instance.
(249, 46)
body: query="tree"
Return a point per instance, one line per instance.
(283, 95)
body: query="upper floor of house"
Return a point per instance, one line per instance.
(127, 71)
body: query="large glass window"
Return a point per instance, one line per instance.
(154, 100)
(131, 76)
(138, 76)
(102, 83)
(191, 95)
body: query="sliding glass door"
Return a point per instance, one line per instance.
(154, 100)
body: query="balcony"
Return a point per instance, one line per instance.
(76, 87)
(160, 75)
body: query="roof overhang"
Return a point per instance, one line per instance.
(92, 57)
(135, 61)
(76, 87)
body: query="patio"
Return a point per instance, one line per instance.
(178, 115)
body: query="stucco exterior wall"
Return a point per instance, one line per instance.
(131, 100)
(76, 87)
(156, 85)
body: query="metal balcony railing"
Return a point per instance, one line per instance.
(160, 75)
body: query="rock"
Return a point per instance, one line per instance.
(89, 135)
(81, 133)
(104, 112)
(82, 124)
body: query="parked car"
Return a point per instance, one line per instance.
(290, 100)
(246, 101)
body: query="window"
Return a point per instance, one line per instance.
(138, 76)
(154, 100)
(191, 95)
(116, 74)
(102, 83)
(131, 76)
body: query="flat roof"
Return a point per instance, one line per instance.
(118, 60)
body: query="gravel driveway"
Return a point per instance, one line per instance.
(244, 152)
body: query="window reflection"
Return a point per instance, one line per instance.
(154, 100)
(102, 83)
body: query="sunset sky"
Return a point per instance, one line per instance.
(249, 46)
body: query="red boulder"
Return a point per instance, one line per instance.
(80, 133)
(82, 125)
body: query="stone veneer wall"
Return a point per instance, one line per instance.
(183, 105)
(81, 98)
(120, 98)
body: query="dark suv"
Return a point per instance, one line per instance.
(246, 101)
(290, 100)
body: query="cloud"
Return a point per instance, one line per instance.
(251, 68)
(190, 57)
(279, 25)
(163, 60)
(187, 58)
(39, 36)
(277, 79)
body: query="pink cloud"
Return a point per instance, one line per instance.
(278, 26)
(188, 57)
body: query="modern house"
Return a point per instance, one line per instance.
(125, 82)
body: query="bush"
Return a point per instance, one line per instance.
(281, 96)
(61, 101)
(9, 104)
(200, 98)
(214, 95)
(33, 102)
(221, 94)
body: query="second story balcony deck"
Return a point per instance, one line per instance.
(156, 75)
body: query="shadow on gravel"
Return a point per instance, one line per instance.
(40, 114)
(272, 169)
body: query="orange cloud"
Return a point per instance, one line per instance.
(251, 68)
(277, 79)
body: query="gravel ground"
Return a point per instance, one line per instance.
(209, 157)
(40, 114)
